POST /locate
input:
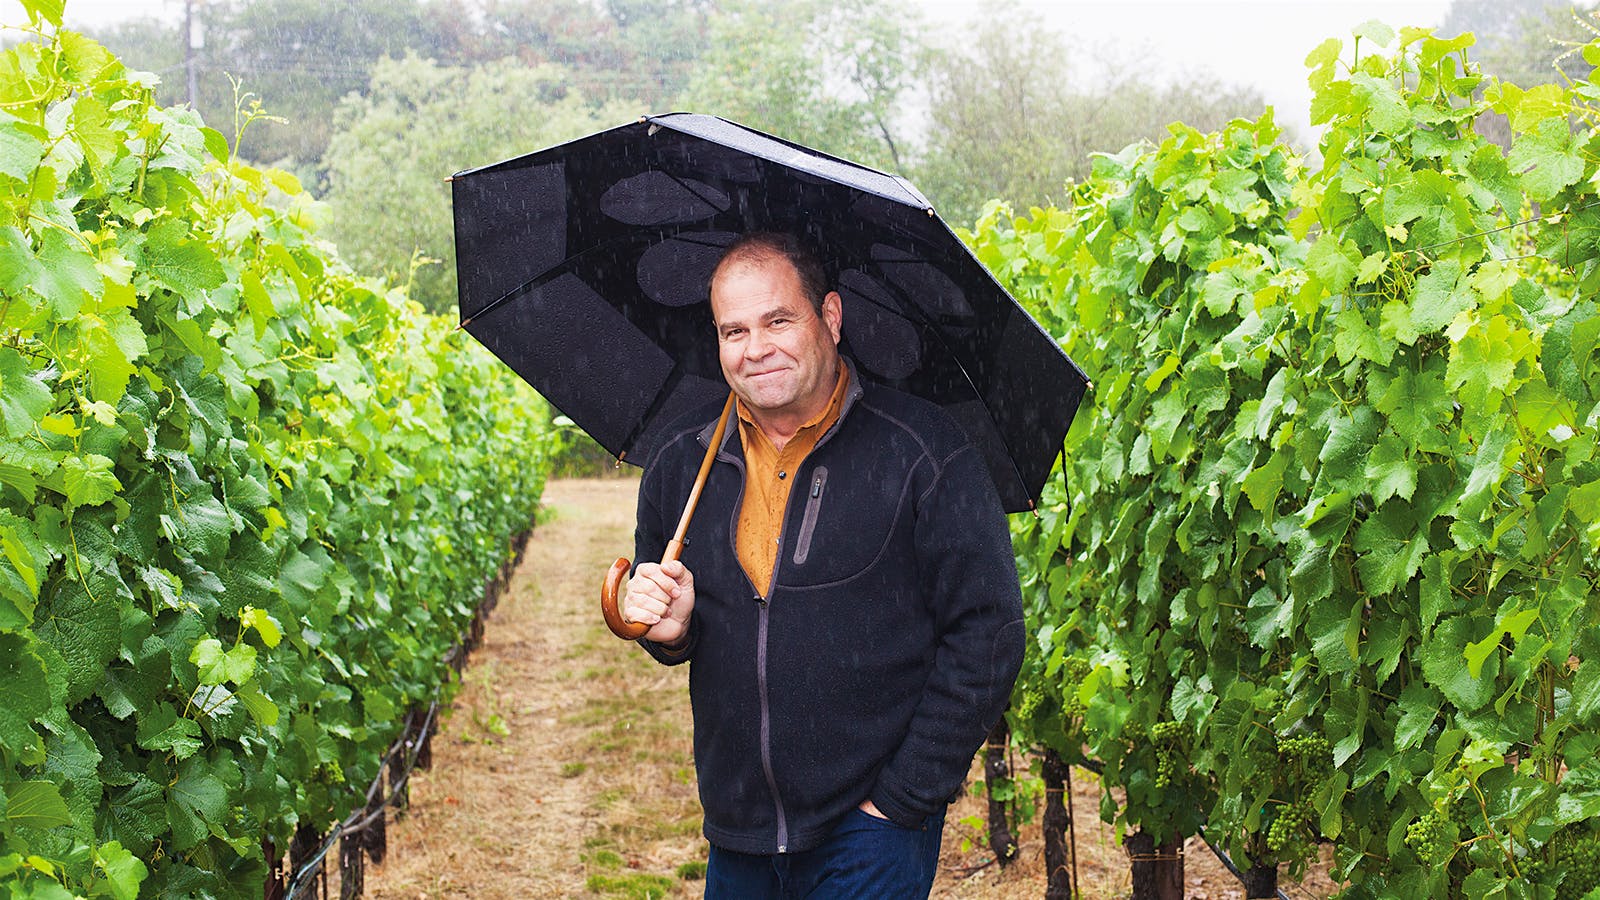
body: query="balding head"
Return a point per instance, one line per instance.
(763, 247)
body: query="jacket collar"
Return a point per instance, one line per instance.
(852, 393)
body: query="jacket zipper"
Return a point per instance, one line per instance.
(761, 620)
(761, 656)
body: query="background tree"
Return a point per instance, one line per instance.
(839, 88)
(302, 57)
(666, 40)
(1523, 42)
(639, 49)
(1018, 110)
(419, 122)
(298, 56)
(1519, 40)
(151, 45)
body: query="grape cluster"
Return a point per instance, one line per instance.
(1576, 851)
(1073, 671)
(1432, 838)
(1287, 825)
(1032, 698)
(1292, 769)
(1163, 735)
(1309, 751)
(1037, 693)
(1165, 731)
(1467, 815)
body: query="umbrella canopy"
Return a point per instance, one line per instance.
(586, 268)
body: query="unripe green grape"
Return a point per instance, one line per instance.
(1432, 838)
(1164, 731)
(1577, 854)
(1289, 830)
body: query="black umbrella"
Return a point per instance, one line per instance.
(585, 267)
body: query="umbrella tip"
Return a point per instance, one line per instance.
(464, 324)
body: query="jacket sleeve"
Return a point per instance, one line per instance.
(649, 542)
(967, 571)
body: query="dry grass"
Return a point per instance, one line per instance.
(566, 767)
(587, 773)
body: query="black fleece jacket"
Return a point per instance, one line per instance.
(887, 646)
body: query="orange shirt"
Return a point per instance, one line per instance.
(768, 476)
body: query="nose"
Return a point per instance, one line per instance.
(759, 346)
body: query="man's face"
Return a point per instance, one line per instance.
(778, 355)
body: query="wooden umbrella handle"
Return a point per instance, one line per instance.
(612, 586)
(628, 631)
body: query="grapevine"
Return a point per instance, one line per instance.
(1330, 532)
(248, 498)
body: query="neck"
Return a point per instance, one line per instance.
(779, 435)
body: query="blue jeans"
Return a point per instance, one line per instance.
(864, 857)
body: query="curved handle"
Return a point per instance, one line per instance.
(628, 631)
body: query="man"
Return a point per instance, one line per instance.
(846, 593)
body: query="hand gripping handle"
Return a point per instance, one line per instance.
(632, 631)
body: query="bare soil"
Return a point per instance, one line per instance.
(566, 768)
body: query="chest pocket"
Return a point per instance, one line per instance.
(844, 523)
(808, 523)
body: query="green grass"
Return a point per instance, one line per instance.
(636, 886)
(692, 871)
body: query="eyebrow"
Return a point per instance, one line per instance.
(779, 312)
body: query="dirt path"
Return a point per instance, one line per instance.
(568, 754)
(566, 768)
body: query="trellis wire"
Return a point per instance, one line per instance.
(353, 825)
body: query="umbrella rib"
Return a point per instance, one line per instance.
(922, 319)
(657, 403)
(691, 189)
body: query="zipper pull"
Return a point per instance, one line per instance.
(816, 487)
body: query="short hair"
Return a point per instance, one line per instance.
(759, 246)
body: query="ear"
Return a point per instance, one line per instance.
(833, 314)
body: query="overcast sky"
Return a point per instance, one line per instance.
(1262, 43)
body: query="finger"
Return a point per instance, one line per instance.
(667, 584)
(640, 588)
(646, 609)
(678, 572)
